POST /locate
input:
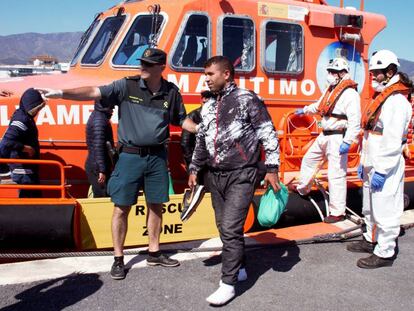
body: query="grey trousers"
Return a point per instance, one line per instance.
(231, 194)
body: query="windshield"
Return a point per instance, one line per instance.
(136, 41)
(238, 42)
(192, 49)
(103, 40)
(84, 40)
(284, 47)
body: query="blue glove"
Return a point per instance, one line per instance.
(377, 181)
(344, 148)
(299, 112)
(360, 172)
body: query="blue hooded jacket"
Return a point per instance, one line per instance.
(22, 131)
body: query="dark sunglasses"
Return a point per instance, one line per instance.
(148, 65)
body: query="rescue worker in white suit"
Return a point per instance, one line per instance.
(340, 109)
(385, 122)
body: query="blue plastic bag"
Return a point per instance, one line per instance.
(272, 204)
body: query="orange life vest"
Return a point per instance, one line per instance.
(372, 110)
(328, 102)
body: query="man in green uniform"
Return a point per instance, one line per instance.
(147, 105)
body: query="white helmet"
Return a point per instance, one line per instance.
(382, 59)
(338, 64)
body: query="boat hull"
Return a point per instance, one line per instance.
(85, 224)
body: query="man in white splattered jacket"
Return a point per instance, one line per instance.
(385, 122)
(228, 142)
(340, 109)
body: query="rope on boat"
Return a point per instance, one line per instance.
(330, 237)
(290, 124)
(346, 234)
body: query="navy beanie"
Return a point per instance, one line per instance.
(30, 99)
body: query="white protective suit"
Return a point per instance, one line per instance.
(327, 147)
(383, 154)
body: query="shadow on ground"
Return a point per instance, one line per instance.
(280, 257)
(57, 294)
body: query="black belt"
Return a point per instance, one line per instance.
(376, 130)
(338, 116)
(143, 150)
(334, 132)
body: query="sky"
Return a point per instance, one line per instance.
(45, 16)
(398, 35)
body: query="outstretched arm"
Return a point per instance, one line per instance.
(80, 93)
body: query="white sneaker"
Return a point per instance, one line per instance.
(222, 295)
(242, 276)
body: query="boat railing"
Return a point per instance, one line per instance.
(303, 140)
(61, 186)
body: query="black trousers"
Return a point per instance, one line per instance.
(231, 194)
(99, 190)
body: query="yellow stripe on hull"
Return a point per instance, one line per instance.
(96, 215)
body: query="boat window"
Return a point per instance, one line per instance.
(85, 39)
(283, 47)
(238, 42)
(192, 45)
(136, 41)
(103, 40)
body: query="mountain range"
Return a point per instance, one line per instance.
(407, 67)
(20, 48)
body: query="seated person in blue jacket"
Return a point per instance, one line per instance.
(21, 141)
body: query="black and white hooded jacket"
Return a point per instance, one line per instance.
(232, 128)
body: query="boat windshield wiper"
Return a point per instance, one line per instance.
(155, 24)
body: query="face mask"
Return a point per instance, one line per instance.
(378, 87)
(331, 79)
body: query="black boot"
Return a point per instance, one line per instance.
(373, 262)
(362, 246)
